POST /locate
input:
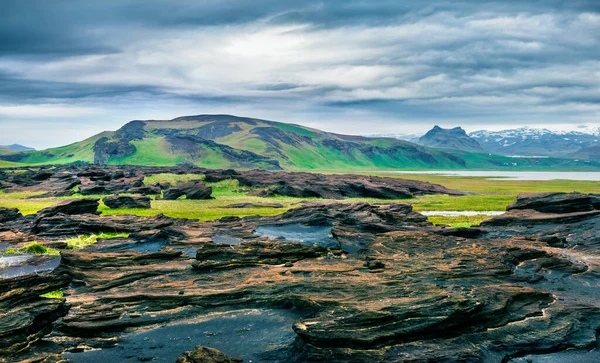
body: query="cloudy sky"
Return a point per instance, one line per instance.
(70, 69)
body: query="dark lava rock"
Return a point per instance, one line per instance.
(202, 354)
(71, 207)
(72, 225)
(556, 202)
(145, 190)
(117, 201)
(328, 186)
(9, 214)
(195, 190)
(173, 194)
(220, 256)
(26, 317)
(254, 205)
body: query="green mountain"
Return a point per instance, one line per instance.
(224, 141)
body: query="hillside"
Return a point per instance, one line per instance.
(452, 139)
(224, 141)
(588, 153)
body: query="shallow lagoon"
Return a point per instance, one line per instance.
(514, 175)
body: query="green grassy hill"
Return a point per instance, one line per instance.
(224, 141)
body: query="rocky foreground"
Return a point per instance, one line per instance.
(325, 282)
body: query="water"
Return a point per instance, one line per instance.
(515, 175)
(143, 247)
(226, 239)
(446, 213)
(295, 232)
(256, 335)
(21, 265)
(568, 356)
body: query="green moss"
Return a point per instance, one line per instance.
(12, 251)
(56, 294)
(86, 240)
(37, 249)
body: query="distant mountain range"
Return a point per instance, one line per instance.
(538, 142)
(225, 141)
(578, 143)
(16, 147)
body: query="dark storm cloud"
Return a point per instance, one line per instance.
(477, 63)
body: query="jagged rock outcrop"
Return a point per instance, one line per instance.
(195, 190)
(328, 186)
(120, 201)
(557, 202)
(213, 256)
(71, 207)
(25, 317)
(85, 224)
(9, 214)
(206, 355)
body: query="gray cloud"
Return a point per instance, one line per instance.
(352, 66)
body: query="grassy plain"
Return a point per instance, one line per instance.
(488, 195)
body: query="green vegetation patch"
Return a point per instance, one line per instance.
(12, 251)
(37, 249)
(86, 240)
(459, 221)
(56, 294)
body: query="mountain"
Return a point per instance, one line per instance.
(588, 153)
(224, 141)
(537, 142)
(16, 147)
(453, 139)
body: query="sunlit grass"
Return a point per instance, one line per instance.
(478, 203)
(492, 195)
(56, 294)
(459, 221)
(86, 240)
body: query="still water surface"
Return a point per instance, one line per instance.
(515, 175)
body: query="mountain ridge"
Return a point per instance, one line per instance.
(453, 139)
(226, 141)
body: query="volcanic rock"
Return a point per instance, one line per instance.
(219, 256)
(557, 202)
(9, 214)
(254, 205)
(70, 207)
(202, 354)
(328, 186)
(117, 201)
(26, 317)
(194, 190)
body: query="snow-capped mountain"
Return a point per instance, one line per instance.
(538, 142)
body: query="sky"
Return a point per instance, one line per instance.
(71, 69)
